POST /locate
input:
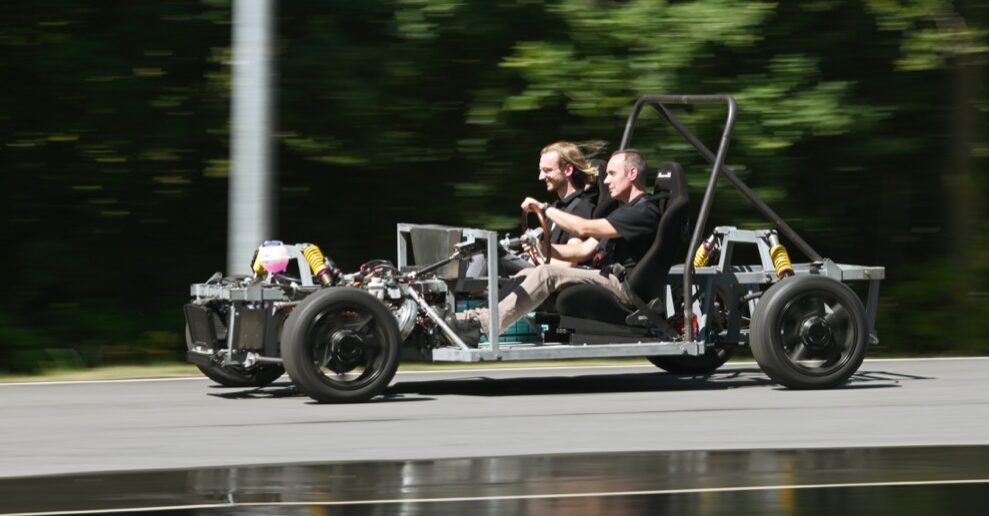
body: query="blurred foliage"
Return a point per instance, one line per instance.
(861, 122)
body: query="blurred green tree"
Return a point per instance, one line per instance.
(861, 123)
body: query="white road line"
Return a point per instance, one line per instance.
(473, 370)
(392, 501)
(125, 380)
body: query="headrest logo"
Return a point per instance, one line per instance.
(664, 175)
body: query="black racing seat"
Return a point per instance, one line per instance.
(603, 203)
(648, 278)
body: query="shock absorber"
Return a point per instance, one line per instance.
(781, 259)
(256, 263)
(705, 251)
(323, 268)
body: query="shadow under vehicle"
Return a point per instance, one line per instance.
(340, 335)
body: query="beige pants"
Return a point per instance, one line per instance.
(538, 284)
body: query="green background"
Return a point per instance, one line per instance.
(862, 123)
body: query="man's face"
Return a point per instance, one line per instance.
(618, 180)
(551, 173)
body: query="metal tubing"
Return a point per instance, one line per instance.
(664, 99)
(763, 208)
(494, 327)
(630, 123)
(872, 305)
(435, 266)
(231, 328)
(431, 313)
(712, 183)
(400, 259)
(688, 326)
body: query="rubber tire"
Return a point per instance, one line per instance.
(256, 377)
(707, 363)
(765, 335)
(297, 357)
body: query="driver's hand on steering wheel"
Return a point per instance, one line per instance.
(530, 204)
(526, 253)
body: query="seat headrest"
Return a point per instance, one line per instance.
(669, 178)
(671, 183)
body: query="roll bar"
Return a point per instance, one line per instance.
(658, 103)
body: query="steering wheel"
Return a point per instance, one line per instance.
(539, 254)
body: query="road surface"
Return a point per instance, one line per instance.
(139, 425)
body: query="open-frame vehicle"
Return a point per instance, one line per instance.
(340, 336)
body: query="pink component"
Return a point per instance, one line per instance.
(274, 258)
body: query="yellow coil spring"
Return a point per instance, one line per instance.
(781, 260)
(704, 251)
(317, 263)
(256, 265)
(701, 256)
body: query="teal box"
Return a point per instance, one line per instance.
(522, 331)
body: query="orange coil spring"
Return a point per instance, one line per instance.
(317, 263)
(781, 260)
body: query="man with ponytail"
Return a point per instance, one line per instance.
(566, 170)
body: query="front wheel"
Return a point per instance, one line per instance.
(341, 345)
(809, 332)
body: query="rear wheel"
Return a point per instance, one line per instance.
(709, 362)
(341, 345)
(809, 332)
(256, 377)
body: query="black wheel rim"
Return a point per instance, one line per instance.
(817, 334)
(348, 346)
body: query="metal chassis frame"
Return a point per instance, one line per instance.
(761, 275)
(491, 249)
(752, 277)
(724, 272)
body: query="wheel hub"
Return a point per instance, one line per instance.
(815, 333)
(346, 345)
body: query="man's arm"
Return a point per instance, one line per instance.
(573, 224)
(575, 252)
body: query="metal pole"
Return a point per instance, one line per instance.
(718, 162)
(695, 240)
(494, 327)
(630, 123)
(252, 199)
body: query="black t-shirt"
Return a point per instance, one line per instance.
(637, 223)
(575, 204)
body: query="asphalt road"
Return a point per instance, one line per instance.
(103, 426)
